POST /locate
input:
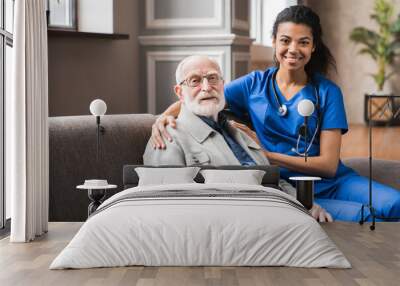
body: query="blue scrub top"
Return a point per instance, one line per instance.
(253, 95)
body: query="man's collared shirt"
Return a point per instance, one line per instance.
(221, 128)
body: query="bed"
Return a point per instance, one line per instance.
(201, 224)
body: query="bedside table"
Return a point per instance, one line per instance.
(96, 195)
(305, 190)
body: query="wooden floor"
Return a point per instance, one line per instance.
(374, 255)
(386, 142)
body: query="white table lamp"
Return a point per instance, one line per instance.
(98, 108)
(97, 187)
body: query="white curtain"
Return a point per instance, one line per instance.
(26, 123)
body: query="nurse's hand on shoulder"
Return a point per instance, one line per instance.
(320, 214)
(245, 129)
(158, 131)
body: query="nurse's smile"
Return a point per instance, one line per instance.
(293, 60)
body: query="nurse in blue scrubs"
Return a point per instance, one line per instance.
(270, 99)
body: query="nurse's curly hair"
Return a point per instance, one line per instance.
(321, 59)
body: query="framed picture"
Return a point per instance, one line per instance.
(62, 14)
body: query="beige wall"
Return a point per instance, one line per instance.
(338, 18)
(83, 69)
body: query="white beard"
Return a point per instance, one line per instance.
(211, 109)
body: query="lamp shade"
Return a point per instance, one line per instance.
(305, 107)
(98, 107)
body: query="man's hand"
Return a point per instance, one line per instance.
(320, 214)
(158, 131)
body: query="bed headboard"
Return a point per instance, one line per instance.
(270, 179)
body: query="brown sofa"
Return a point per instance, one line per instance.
(73, 159)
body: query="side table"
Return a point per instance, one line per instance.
(305, 190)
(96, 195)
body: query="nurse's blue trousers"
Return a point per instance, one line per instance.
(352, 191)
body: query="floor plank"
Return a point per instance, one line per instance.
(375, 257)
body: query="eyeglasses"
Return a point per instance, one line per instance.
(196, 80)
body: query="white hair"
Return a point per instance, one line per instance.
(179, 70)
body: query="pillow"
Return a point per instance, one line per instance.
(248, 177)
(166, 176)
(271, 178)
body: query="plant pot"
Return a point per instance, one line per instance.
(383, 108)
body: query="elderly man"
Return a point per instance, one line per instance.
(203, 135)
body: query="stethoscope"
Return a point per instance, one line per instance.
(283, 110)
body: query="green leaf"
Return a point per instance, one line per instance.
(394, 46)
(395, 27)
(383, 11)
(379, 80)
(392, 49)
(368, 52)
(366, 37)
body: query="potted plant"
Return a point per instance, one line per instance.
(381, 45)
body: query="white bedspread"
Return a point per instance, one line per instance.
(177, 231)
